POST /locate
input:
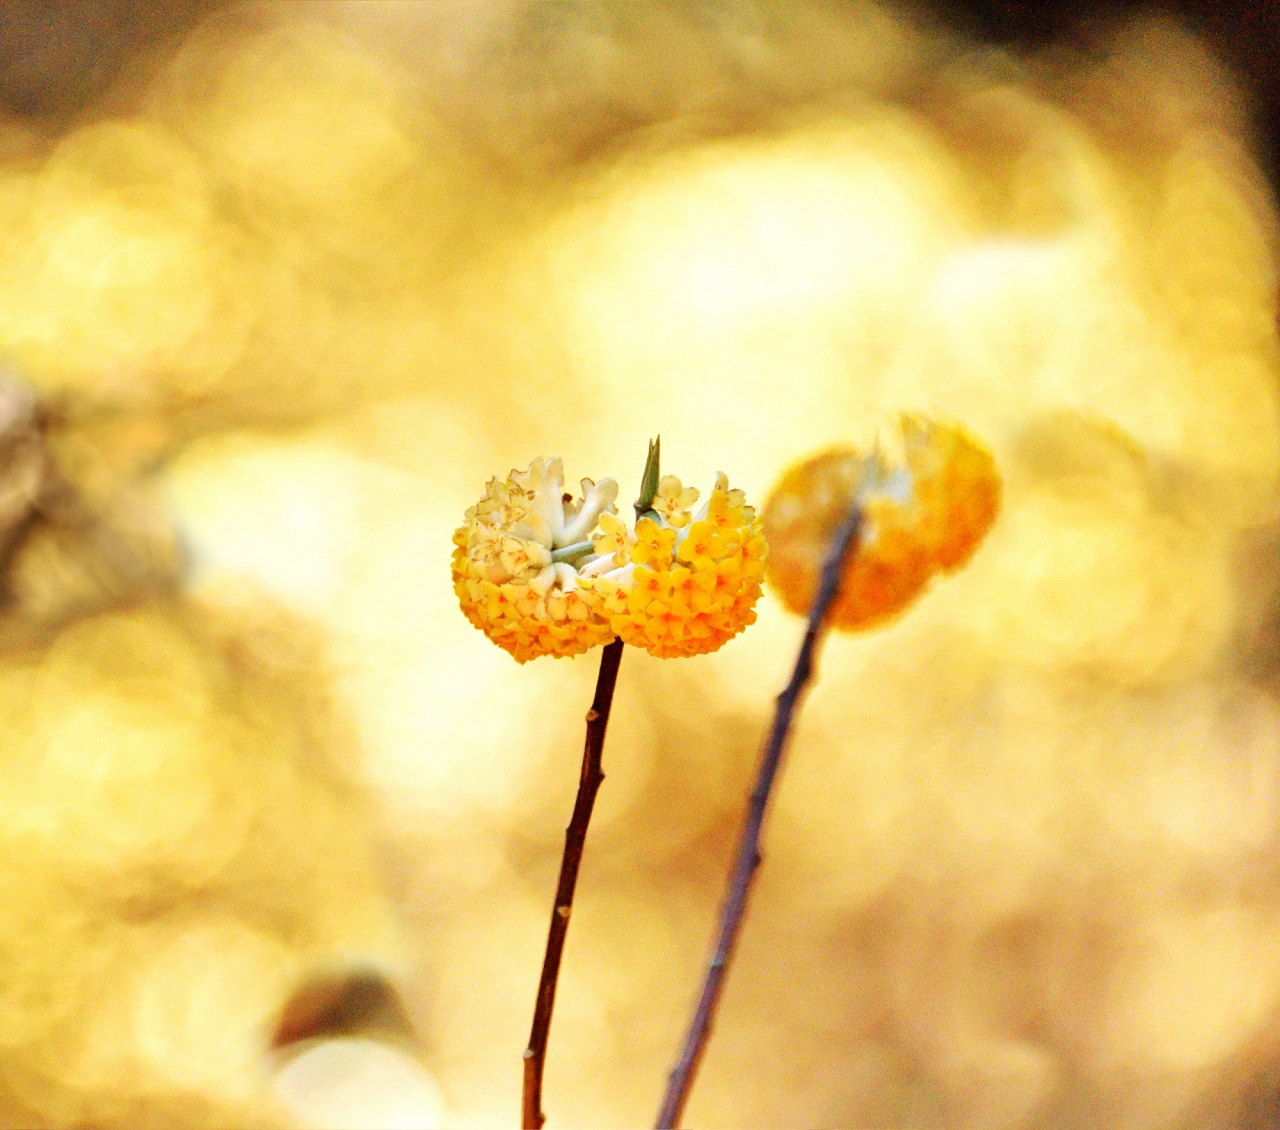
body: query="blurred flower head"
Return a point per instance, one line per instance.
(929, 495)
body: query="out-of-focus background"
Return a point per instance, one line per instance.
(282, 286)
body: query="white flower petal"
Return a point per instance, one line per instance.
(597, 498)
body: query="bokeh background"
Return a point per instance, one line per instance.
(282, 286)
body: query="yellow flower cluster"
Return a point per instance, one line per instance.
(924, 513)
(542, 574)
(694, 581)
(515, 563)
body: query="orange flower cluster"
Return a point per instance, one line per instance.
(924, 513)
(542, 574)
(514, 566)
(693, 585)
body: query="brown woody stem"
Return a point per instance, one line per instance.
(747, 861)
(575, 838)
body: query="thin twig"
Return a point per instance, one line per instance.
(683, 1074)
(575, 837)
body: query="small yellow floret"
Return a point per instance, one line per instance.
(673, 501)
(615, 540)
(653, 543)
(922, 517)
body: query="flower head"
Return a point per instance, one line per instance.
(542, 574)
(517, 561)
(924, 512)
(694, 587)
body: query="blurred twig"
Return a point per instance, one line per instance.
(575, 837)
(685, 1071)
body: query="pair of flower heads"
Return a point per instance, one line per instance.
(541, 572)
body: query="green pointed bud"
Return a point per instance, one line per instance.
(649, 480)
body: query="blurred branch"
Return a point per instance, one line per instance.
(575, 838)
(745, 865)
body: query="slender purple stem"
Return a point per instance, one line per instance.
(747, 861)
(575, 839)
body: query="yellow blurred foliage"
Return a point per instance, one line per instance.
(329, 268)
